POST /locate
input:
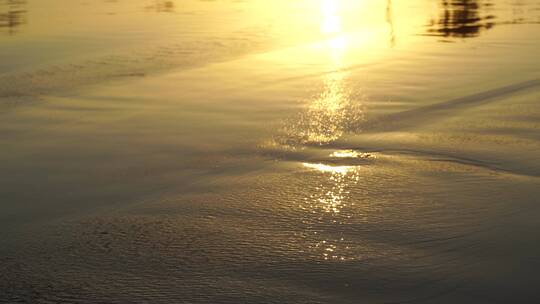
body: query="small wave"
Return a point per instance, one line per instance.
(136, 63)
(419, 116)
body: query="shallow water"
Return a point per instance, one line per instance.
(269, 151)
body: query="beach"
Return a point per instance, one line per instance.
(269, 151)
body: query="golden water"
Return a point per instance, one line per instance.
(310, 151)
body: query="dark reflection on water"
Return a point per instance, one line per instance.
(12, 15)
(390, 21)
(463, 19)
(161, 6)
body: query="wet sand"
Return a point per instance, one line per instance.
(257, 152)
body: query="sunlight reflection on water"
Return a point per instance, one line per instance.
(330, 112)
(324, 121)
(326, 204)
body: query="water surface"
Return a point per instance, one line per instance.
(269, 151)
